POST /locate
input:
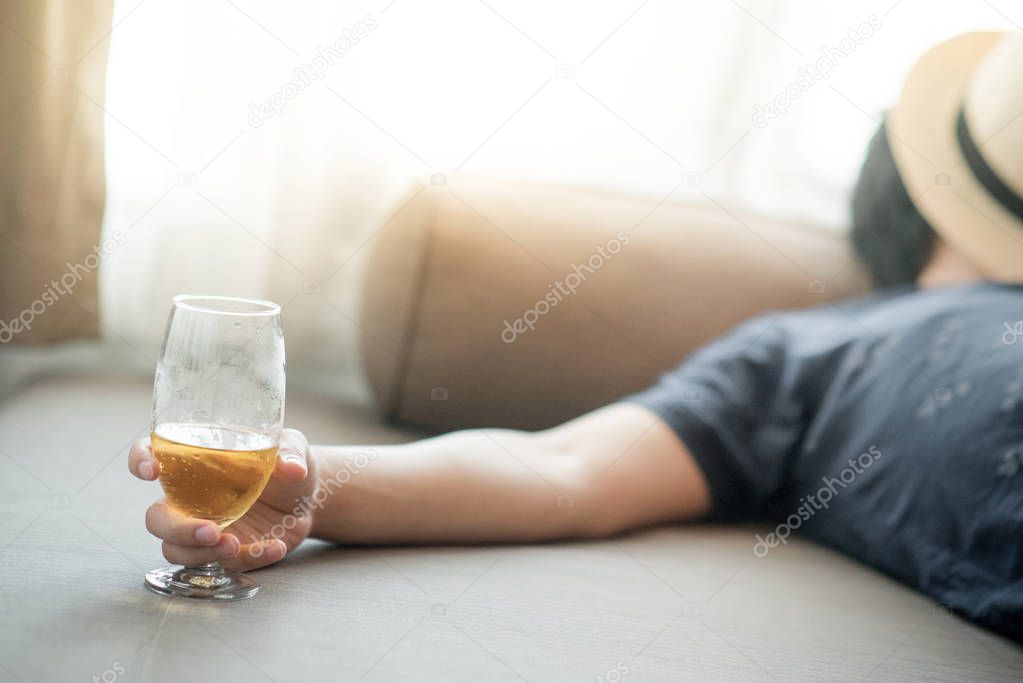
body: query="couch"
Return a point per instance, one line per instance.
(681, 602)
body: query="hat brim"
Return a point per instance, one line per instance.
(921, 133)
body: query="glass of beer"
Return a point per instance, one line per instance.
(218, 412)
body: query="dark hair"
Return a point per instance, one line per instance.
(888, 234)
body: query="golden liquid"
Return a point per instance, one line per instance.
(213, 473)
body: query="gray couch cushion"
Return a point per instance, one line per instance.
(667, 604)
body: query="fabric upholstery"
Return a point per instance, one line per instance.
(456, 262)
(670, 604)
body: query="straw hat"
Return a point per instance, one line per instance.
(956, 134)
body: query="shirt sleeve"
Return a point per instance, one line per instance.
(733, 404)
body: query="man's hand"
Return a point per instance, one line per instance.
(267, 532)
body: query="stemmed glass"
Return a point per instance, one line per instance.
(218, 411)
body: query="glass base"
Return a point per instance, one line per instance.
(206, 582)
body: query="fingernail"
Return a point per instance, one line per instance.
(297, 460)
(227, 547)
(146, 470)
(207, 535)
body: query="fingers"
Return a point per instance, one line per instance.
(187, 540)
(172, 526)
(256, 555)
(141, 462)
(190, 541)
(229, 553)
(191, 555)
(292, 458)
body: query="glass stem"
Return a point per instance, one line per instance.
(208, 569)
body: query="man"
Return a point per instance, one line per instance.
(889, 427)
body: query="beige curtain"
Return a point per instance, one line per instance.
(53, 56)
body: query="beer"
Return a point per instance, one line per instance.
(212, 472)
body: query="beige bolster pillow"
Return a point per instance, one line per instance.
(516, 305)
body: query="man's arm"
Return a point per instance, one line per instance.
(614, 469)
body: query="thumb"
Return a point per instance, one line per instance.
(293, 460)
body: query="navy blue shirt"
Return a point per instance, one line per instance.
(889, 427)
